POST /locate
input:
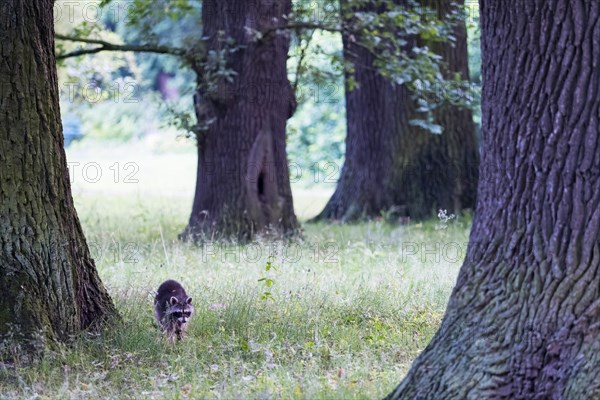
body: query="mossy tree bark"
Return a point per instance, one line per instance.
(48, 280)
(523, 321)
(391, 165)
(242, 186)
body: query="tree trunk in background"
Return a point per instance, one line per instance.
(392, 166)
(47, 278)
(242, 185)
(523, 321)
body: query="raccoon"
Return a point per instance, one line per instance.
(172, 309)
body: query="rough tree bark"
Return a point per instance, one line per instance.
(523, 321)
(242, 186)
(48, 280)
(393, 166)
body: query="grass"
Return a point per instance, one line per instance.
(349, 308)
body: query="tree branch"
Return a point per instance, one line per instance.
(303, 50)
(300, 26)
(309, 25)
(106, 46)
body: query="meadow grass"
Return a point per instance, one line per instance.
(348, 307)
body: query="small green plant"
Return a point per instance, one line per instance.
(268, 282)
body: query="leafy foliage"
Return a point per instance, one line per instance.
(399, 36)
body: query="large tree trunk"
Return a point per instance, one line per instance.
(48, 280)
(523, 321)
(242, 185)
(393, 166)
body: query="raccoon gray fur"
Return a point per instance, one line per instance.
(172, 309)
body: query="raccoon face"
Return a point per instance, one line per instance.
(180, 310)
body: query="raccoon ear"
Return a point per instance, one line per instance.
(173, 300)
(189, 300)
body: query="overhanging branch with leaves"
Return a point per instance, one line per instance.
(107, 46)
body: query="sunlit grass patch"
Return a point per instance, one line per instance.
(350, 307)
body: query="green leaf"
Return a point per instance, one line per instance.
(244, 345)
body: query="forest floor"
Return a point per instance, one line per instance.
(341, 315)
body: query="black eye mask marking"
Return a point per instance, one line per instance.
(179, 314)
